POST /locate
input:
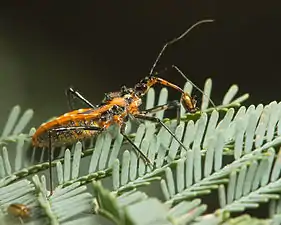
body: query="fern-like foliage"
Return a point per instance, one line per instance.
(230, 150)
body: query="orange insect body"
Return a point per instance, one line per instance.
(90, 118)
(40, 138)
(115, 108)
(111, 112)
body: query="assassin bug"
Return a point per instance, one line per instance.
(19, 210)
(116, 108)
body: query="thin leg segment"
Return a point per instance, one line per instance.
(169, 105)
(70, 92)
(145, 158)
(186, 100)
(194, 85)
(157, 120)
(62, 129)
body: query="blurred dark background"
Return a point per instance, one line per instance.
(97, 46)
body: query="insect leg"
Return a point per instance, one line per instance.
(71, 92)
(194, 85)
(50, 162)
(169, 105)
(189, 102)
(63, 129)
(157, 120)
(186, 100)
(145, 158)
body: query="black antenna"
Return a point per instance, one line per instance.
(175, 40)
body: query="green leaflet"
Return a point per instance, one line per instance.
(250, 135)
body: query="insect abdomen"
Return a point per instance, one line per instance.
(59, 138)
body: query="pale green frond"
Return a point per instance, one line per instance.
(183, 207)
(76, 160)
(165, 191)
(132, 206)
(244, 125)
(121, 181)
(154, 212)
(15, 125)
(19, 153)
(133, 161)
(125, 167)
(116, 175)
(105, 152)
(163, 99)
(246, 219)
(229, 95)
(175, 146)
(145, 146)
(209, 157)
(248, 190)
(70, 169)
(211, 127)
(7, 164)
(115, 149)
(86, 219)
(14, 166)
(150, 98)
(21, 192)
(150, 101)
(131, 197)
(14, 191)
(65, 203)
(227, 100)
(239, 100)
(189, 168)
(192, 215)
(71, 204)
(209, 219)
(206, 95)
(170, 182)
(180, 175)
(212, 219)
(184, 175)
(107, 204)
(67, 165)
(96, 154)
(13, 117)
(23, 121)
(275, 210)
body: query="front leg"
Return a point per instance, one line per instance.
(157, 120)
(170, 105)
(122, 124)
